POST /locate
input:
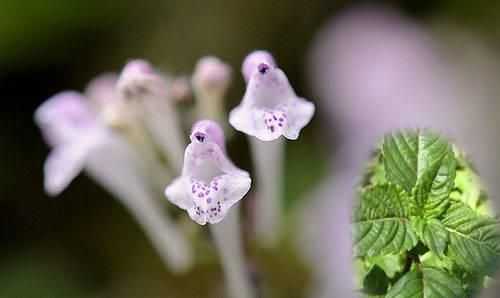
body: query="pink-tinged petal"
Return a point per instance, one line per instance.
(210, 183)
(207, 152)
(251, 62)
(70, 126)
(270, 108)
(64, 117)
(145, 97)
(207, 131)
(138, 79)
(211, 75)
(102, 90)
(62, 165)
(180, 89)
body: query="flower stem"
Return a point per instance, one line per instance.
(164, 234)
(228, 240)
(162, 121)
(133, 192)
(268, 160)
(211, 107)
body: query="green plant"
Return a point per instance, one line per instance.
(421, 225)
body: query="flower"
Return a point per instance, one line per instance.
(253, 60)
(211, 77)
(138, 79)
(80, 141)
(210, 81)
(71, 128)
(270, 108)
(145, 93)
(210, 183)
(101, 91)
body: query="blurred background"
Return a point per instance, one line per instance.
(84, 244)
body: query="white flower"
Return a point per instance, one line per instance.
(210, 81)
(211, 77)
(80, 142)
(71, 128)
(270, 108)
(210, 183)
(146, 96)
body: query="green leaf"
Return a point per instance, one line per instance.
(381, 223)
(391, 264)
(432, 233)
(423, 164)
(469, 189)
(474, 238)
(376, 282)
(430, 259)
(428, 283)
(361, 269)
(436, 199)
(471, 283)
(375, 172)
(411, 154)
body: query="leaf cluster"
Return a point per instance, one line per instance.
(420, 223)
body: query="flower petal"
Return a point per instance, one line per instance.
(139, 80)
(63, 164)
(210, 202)
(210, 183)
(269, 124)
(300, 113)
(64, 117)
(250, 65)
(211, 76)
(177, 194)
(102, 90)
(205, 161)
(270, 108)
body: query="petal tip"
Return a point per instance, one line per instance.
(257, 61)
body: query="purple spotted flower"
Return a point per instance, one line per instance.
(210, 183)
(270, 108)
